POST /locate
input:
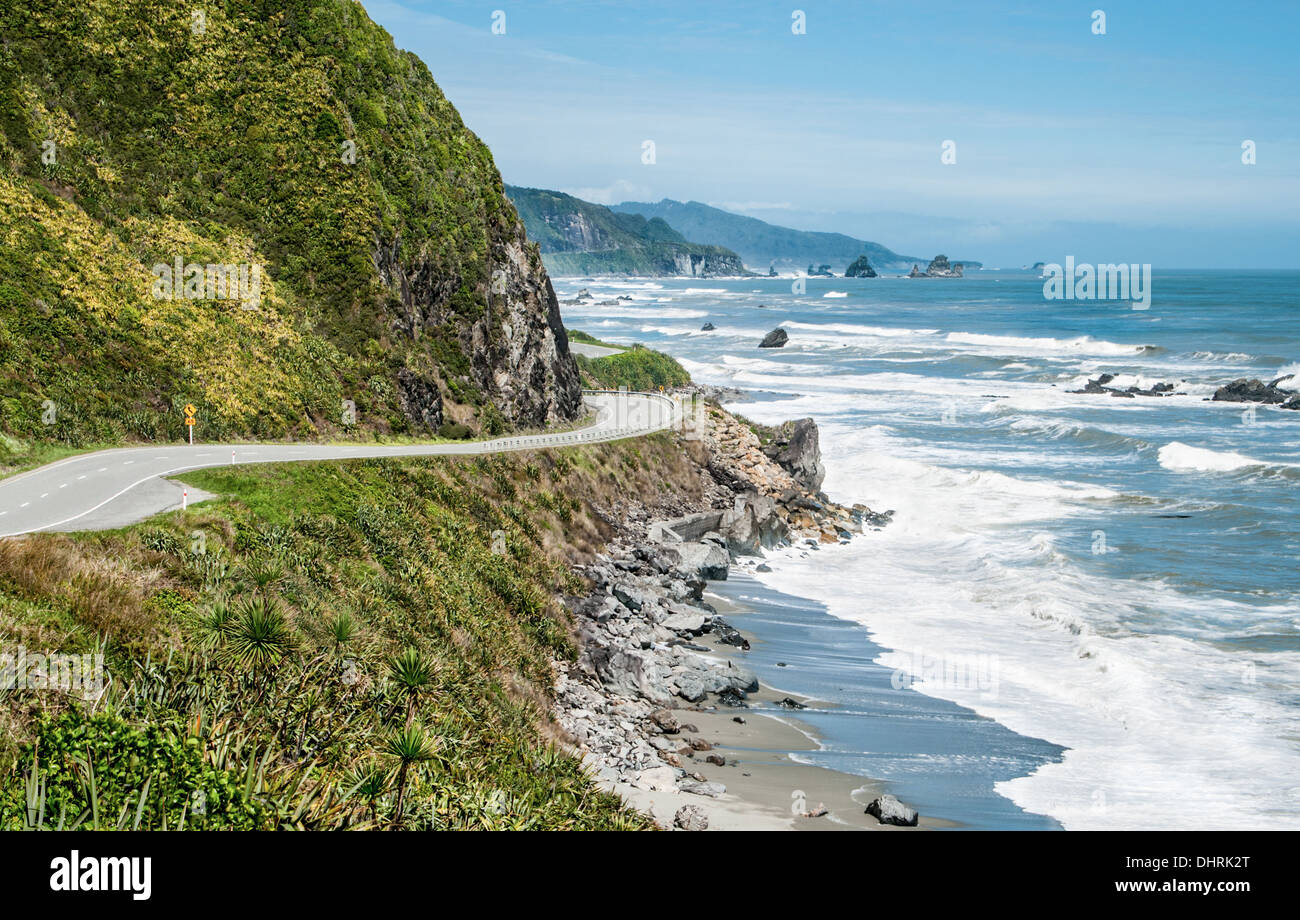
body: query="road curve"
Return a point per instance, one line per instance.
(113, 488)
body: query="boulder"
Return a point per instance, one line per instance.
(662, 777)
(630, 670)
(797, 448)
(1099, 386)
(888, 810)
(775, 339)
(707, 327)
(752, 525)
(691, 818)
(684, 620)
(703, 560)
(695, 787)
(690, 687)
(666, 721)
(741, 679)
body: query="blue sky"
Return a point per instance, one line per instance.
(1117, 147)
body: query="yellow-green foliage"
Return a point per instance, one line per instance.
(133, 133)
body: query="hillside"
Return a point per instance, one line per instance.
(577, 237)
(368, 644)
(762, 245)
(339, 239)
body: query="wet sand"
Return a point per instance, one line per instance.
(767, 787)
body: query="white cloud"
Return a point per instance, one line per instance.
(614, 193)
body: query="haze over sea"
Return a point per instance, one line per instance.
(1126, 567)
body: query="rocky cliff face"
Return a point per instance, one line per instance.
(520, 352)
(709, 265)
(517, 349)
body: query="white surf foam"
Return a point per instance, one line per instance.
(1162, 730)
(1181, 458)
(1083, 344)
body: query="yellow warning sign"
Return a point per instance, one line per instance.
(189, 415)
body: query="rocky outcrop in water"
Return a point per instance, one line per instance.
(938, 268)
(775, 339)
(860, 268)
(1099, 387)
(1256, 391)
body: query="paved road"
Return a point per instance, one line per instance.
(113, 488)
(593, 351)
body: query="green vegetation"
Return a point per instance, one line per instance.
(577, 237)
(576, 335)
(293, 136)
(637, 367)
(365, 644)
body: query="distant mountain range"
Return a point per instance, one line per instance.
(691, 239)
(762, 245)
(577, 237)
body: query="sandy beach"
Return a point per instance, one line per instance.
(767, 787)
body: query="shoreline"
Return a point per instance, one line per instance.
(767, 788)
(660, 704)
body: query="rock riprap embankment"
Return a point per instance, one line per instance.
(643, 665)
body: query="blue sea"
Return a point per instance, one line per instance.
(1110, 582)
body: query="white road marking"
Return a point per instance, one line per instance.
(43, 494)
(128, 463)
(64, 486)
(79, 478)
(101, 469)
(24, 504)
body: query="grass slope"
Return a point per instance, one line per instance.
(322, 641)
(636, 367)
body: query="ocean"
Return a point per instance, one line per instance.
(1111, 581)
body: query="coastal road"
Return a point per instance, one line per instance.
(593, 351)
(113, 488)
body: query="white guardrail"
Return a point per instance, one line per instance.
(595, 434)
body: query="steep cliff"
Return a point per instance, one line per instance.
(290, 145)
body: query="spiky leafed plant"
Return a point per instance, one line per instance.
(264, 574)
(367, 781)
(407, 746)
(213, 623)
(413, 675)
(259, 634)
(342, 629)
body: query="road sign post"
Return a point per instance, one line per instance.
(189, 421)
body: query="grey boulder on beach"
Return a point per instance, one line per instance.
(888, 810)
